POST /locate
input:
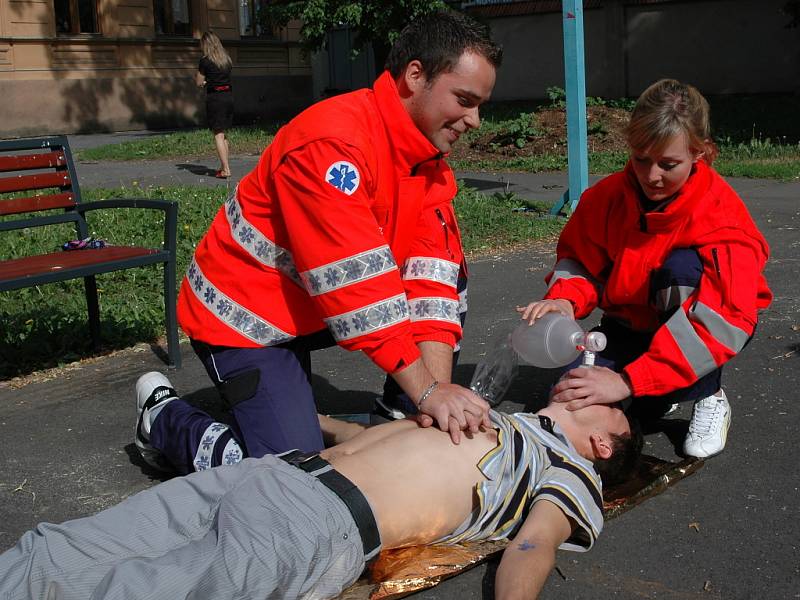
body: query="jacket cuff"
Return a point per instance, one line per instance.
(580, 304)
(641, 379)
(445, 337)
(394, 354)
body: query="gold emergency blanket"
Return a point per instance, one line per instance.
(403, 571)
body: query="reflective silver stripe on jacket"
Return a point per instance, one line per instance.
(434, 309)
(567, 268)
(234, 315)
(431, 269)
(348, 271)
(726, 334)
(256, 244)
(694, 350)
(672, 297)
(369, 318)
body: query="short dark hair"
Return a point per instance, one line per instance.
(626, 450)
(438, 40)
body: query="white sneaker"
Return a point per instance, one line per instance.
(708, 429)
(153, 391)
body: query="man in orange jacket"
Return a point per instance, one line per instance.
(344, 233)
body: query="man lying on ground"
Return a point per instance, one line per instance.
(300, 526)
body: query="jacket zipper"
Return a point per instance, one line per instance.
(716, 262)
(438, 211)
(446, 232)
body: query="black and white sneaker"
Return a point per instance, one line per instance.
(386, 412)
(153, 391)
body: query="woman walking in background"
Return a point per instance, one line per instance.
(214, 73)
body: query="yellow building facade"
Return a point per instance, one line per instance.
(79, 66)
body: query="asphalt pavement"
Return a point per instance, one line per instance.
(728, 531)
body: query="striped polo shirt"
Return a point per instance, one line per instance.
(533, 461)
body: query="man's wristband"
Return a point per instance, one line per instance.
(428, 391)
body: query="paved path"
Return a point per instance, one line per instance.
(729, 531)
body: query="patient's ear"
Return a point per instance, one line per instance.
(601, 446)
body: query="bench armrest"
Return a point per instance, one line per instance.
(170, 208)
(164, 205)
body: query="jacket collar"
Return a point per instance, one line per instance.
(410, 145)
(679, 209)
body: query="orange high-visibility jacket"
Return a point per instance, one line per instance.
(346, 222)
(610, 247)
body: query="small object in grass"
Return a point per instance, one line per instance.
(84, 244)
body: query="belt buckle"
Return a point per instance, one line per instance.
(304, 457)
(297, 458)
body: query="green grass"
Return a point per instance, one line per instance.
(196, 142)
(759, 158)
(501, 220)
(599, 162)
(46, 326)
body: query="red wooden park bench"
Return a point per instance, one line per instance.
(41, 173)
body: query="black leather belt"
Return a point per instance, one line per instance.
(340, 485)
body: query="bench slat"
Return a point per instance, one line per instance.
(29, 266)
(15, 206)
(24, 162)
(34, 182)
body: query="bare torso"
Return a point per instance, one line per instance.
(420, 485)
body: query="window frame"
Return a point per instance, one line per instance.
(254, 7)
(73, 7)
(169, 21)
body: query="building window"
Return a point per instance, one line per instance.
(76, 16)
(172, 17)
(252, 19)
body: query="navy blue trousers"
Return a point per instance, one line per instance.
(680, 274)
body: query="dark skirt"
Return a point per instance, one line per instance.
(219, 111)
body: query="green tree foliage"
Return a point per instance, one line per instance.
(374, 21)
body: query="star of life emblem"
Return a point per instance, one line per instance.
(343, 176)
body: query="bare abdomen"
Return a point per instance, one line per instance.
(420, 485)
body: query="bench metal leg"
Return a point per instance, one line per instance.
(170, 314)
(90, 284)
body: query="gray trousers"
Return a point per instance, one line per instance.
(258, 529)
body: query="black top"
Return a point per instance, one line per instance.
(215, 76)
